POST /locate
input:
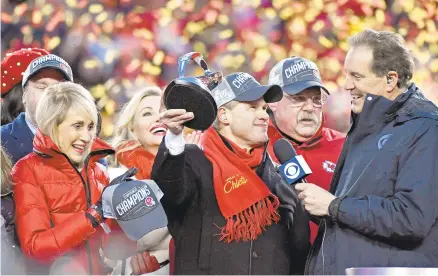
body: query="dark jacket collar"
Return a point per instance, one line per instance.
(418, 106)
(20, 129)
(372, 116)
(379, 111)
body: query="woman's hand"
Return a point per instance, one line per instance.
(144, 263)
(194, 137)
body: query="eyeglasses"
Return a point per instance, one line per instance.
(300, 100)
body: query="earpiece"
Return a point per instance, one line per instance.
(223, 117)
(389, 80)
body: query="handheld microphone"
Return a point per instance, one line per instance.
(293, 167)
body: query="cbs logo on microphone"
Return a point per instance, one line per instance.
(295, 169)
(291, 171)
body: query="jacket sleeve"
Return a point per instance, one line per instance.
(300, 236)
(174, 175)
(38, 239)
(408, 215)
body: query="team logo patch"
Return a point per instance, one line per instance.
(149, 201)
(329, 166)
(382, 141)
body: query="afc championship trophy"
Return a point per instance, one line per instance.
(194, 93)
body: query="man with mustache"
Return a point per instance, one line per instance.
(380, 210)
(298, 117)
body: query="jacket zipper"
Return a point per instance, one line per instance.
(87, 196)
(87, 244)
(322, 247)
(88, 201)
(343, 156)
(332, 189)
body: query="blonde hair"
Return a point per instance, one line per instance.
(125, 121)
(55, 104)
(6, 173)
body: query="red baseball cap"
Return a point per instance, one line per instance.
(14, 65)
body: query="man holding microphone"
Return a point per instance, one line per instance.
(380, 210)
(229, 210)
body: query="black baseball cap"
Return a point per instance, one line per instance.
(48, 61)
(295, 74)
(243, 87)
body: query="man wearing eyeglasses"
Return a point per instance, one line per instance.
(298, 117)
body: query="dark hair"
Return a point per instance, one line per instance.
(389, 54)
(12, 104)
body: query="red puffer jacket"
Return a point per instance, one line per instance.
(130, 155)
(51, 198)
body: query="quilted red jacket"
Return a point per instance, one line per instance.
(51, 198)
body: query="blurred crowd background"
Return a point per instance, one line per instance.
(116, 46)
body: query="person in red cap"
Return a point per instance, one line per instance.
(42, 71)
(12, 69)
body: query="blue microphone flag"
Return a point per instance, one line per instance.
(295, 169)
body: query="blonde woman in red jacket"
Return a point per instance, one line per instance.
(137, 138)
(138, 132)
(58, 186)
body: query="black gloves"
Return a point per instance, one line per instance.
(127, 176)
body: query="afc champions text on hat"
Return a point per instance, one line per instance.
(298, 67)
(42, 59)
(132, 199)
(241, 79)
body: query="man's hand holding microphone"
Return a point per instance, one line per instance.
(316, 200)
(294, 168)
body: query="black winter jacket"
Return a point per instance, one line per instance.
(386, 181)
(194, 221)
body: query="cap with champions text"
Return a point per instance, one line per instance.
(48, 61)
(295, 74)
(136, 206)
(243, 87)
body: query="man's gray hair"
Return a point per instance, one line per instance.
(389, 54)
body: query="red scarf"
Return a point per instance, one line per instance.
(244, 200)
(136, 157)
